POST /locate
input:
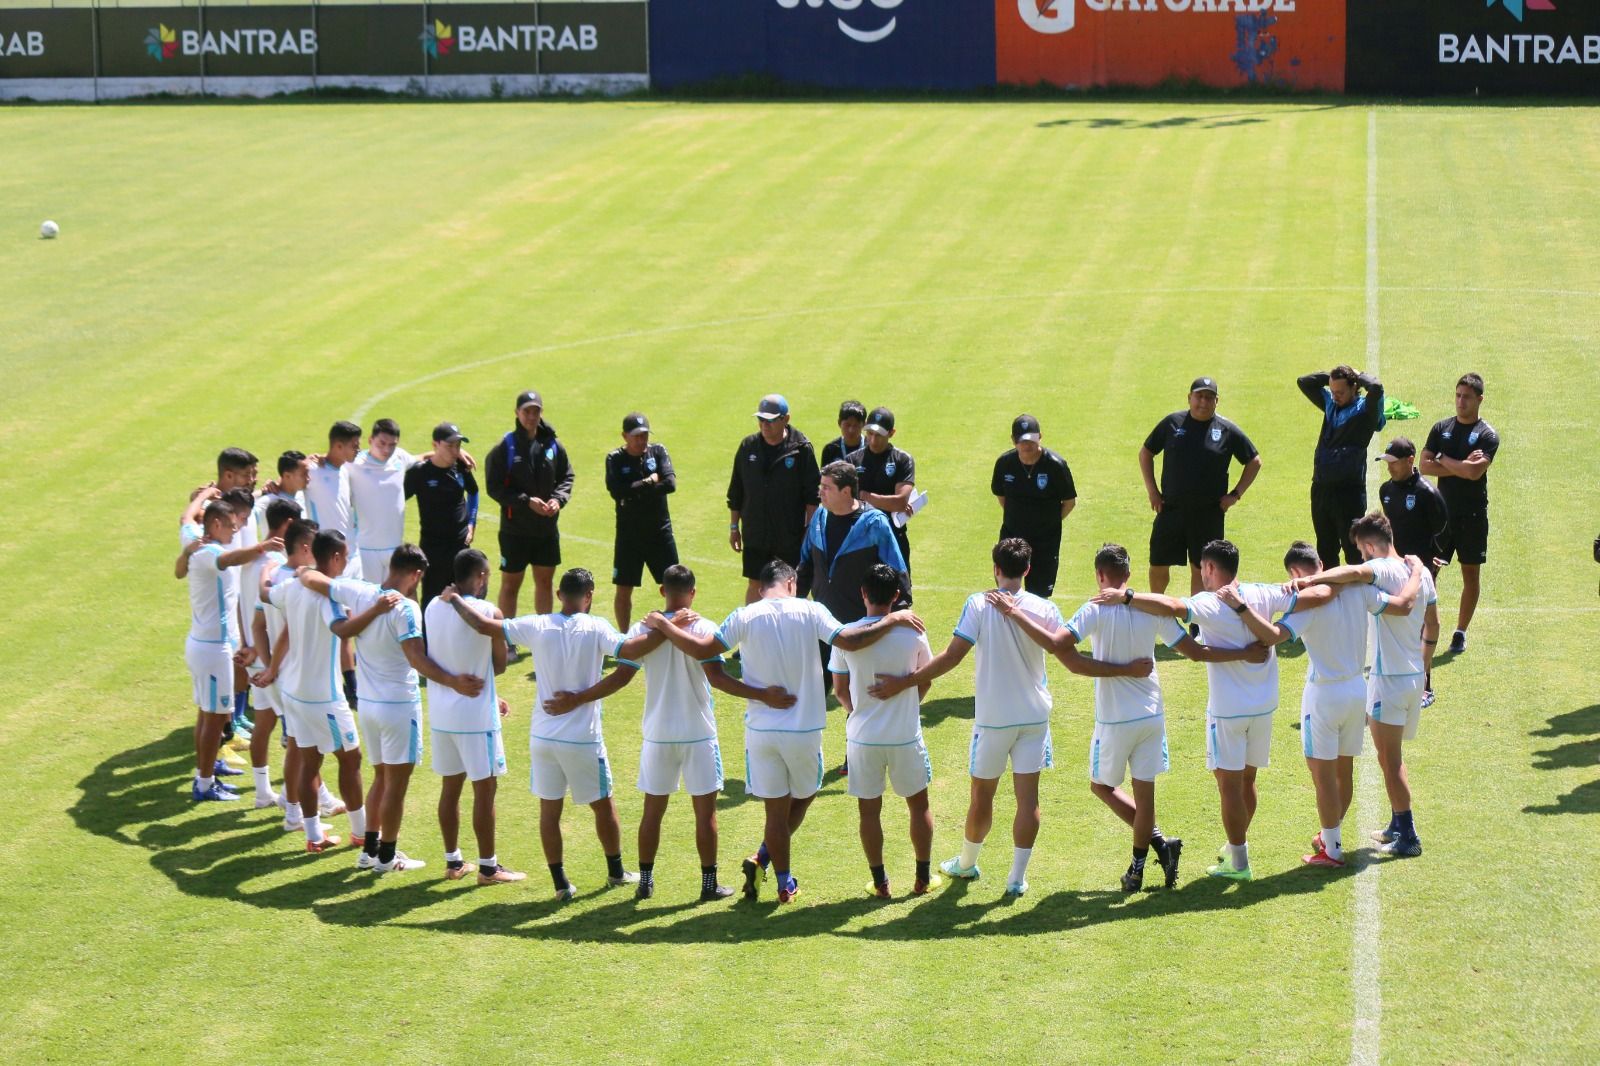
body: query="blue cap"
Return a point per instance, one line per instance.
(772, 406)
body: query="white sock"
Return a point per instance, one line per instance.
(453, 856)
(313, 824)
(1241, 856)
(1019, 865)
(291, 813)
(490, 863)
(358, 822)
(969, 854)
(263, 779)
(325, 797)
(1331, 843)
(205, 783)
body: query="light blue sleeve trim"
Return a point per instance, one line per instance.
(965, 637)
(626, 662)
(1073, 630)
(724, 642)
(1287, 622)
(834, 636)
(1383, 602)
(841, 673)
(1177, 636)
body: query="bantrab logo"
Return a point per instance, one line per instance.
(867, 34)
(1516, 6)
(438, 40)
(161, 43)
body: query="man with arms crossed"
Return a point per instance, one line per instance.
(1458, 452)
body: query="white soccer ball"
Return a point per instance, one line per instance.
(48, 230)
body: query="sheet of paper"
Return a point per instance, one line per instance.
(919, 500)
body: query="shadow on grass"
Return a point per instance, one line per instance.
(1584, 723)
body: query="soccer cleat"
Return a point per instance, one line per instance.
(366, 862)
(1458, 642)
(293, 825)
(1133, 880)
(317, 847)
(1222, 853)
(922, 888)
(788, 894)
(715, 892)
(401, 862)
(1402, 847)
(629, 877)
(222, 756)
(877, 891)
(1428, 697)
(456, 871)
(569, 892)
(1016, 889)
(952, 868)
(844, 769)
(754, 874)
(502, 876)
(216, 793)
(645, 890)
(1225, 869)
(222, 768)
(1320, 857)
(267, 799)
(328, 809)
(1167, 857)
(1384, 836)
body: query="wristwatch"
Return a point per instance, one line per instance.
(1242, 608)
(1127, 597)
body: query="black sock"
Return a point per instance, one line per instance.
(385, 850)
(924, 873)
(1156, 839)
(350, 686)
(1139, 856)
(614, 865)
(369, 843)
(455, 864)
(487, 870)
(708, 877)
(558, 875)
(647, 872)
(878, 875)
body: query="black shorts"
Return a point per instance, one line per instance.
(1182, 530)
(1466, 539)
(757, 556)
(1041, 579)
(518, 551)
(634, 551)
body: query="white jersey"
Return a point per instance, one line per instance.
(779, 641)
(328, 500)
(1239, 689)
(277, 573)
(378, 494)
(678, 706)
(383, 673)
(460, 649)
(1335, 634)
(898, 719)
(258, 516)
(1010, 688)
(190, 532)
(568, 652)
(1121, 634)
(1398, 638)
(311, 672)
(213, 598)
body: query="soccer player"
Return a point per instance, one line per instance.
(772, 493)
(320, 721)
(1011, 720)
(884, 737)
(1339, 467)
(467, 745)
(294, 473)
(888, 475)
(680, 734)
(1243, 694)
(782, 748)
(279, 515)
(377, 493)
(1333, 708)
(1036, 493)
(328, 499)
(447, 507)
(852, 416)
(213, 638)
(389, 657)
(1458, 452)
(1194, 497)
(1403, 638)
(529, 476)
(639, 477)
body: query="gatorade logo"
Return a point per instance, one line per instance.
(1048, 16)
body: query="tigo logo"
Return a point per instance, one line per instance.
(1048, 16)
(161, 43)
(1516, 6)
(438, 40)
(867, 36)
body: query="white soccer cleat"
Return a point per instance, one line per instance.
(366, 862)
(401, 862)
(293, 825)
(1016, 889)
(268, 799)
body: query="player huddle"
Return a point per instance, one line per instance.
(304, 606)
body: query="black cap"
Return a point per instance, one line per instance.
(448, 431)
(1399, 448)
(529, 397)
(881, 420)
(773, 406)
(1203, 384)
(635, 423)
(1025, 427)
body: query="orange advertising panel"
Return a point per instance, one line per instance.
(1294, 44)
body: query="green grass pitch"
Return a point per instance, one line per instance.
(239, 274)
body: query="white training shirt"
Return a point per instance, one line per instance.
(779, 641)
(678, 707)
(1010, 688)
(1335, 634)
(1398, 638)
(213, 599)
(1121, 634)
(378, 494)
(311, 672)
(277, 573)
(383, 673)
(1239, 689)
(328, 500)
(568, 653)
(897, 720)
(188, 533)
(460, 649)
(258, 516)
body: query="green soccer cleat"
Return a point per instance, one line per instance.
(1225, 869)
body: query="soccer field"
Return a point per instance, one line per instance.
(249, 274)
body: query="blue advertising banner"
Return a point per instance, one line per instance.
(846, 44)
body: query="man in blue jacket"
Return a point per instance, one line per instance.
(1339, 471)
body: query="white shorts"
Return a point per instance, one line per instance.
(558, 768)
(1234, 743)
(1138, 747)
(906, 765)
(1027, 746)
(698, 764)
(782, 764)
(211, 668)
(393, 732)
(265, 698)
(478, 755)
(374, 565)
(1396, 701)
(1333, 717)
(328, 727)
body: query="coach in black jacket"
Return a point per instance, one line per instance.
(772, 493)
(1339, 470)
(529, 476)
(1414, 507)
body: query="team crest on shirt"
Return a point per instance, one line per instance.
(350, 738)
(1180, 431)
(888, 469)
(1041, 480)
(550, 454)
(1411, 502)
(788, 462)
(1216, 434)
(650, 464)
(751, 457)
(1472, 438)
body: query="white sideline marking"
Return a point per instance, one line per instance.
(1365, 988)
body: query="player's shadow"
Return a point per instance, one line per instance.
(936, 711)
(1584, 752)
